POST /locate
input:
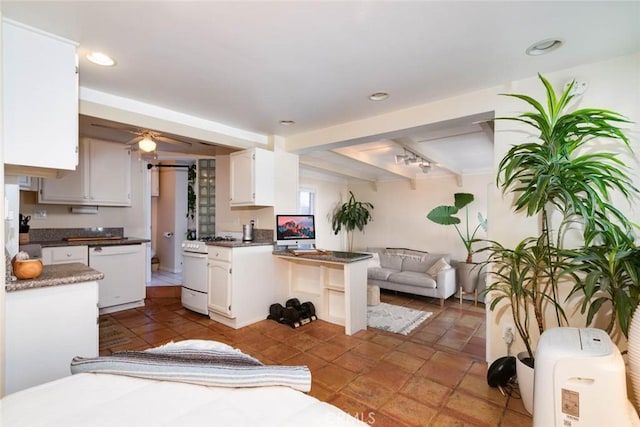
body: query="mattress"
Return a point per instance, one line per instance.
(90, 399)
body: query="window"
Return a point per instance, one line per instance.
(306, 201)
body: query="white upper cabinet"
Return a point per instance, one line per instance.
(40, 96)
(103, 177)
(252, 178)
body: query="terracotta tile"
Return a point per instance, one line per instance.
(186, 327)
(415, 349)
(476, 410)
(281, 332)
(449, 419)
(404, 361)
(262, 343)
(280, 352)
(408, 411)
(204, 334)
(159, 336)
(327, 351)
(426, 391)
(478, 387)
(387, 340)
(479, 369)
(441, 373)
(378, 419)
(456, 362)
(425, 337)
(515, 404)
(365, 335)
(306, 359)
(516, 419)
(353, 407)
(345, 341)
(333, 377)
(371, 350)
(323, 333)
(303, 342)
(388, 375)
(321, 392)
(368, 392)
(475, 347)
(354, 362)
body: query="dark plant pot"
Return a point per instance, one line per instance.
(467, 276)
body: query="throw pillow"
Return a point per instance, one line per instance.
(437, 267)
(374, 261)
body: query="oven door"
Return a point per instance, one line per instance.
(195, 272)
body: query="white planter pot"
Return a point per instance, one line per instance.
(467, 276)
(525, 381)
(633, 349)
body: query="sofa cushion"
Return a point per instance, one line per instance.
(392, 261)
(414, 263)
(431, 259)
(380, 273)
(437, 267)
(413, 278)
(374, 261)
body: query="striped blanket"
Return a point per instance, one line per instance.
(216, 366)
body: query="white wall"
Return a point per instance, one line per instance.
(400, 213)
(328, 197)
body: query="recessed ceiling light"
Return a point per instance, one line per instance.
(287, 122)
(378, 96)
(100, 58)
(544, 46)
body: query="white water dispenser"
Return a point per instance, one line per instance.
(580, 381)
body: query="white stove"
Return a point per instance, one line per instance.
(195, 272)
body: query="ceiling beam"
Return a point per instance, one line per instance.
(320, 165)
(363, 157)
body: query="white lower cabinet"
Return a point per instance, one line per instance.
(65, 254)
(45, 328)
(240, 284)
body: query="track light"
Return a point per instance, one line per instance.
(401, 158)
(425, 166)
(411, 159)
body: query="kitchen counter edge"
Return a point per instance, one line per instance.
(239, 243)
(329, 256)
(90, 243)
(56, 275)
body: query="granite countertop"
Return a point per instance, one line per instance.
(92, 242)
(240, 243)
(332, 256)
(57, 274)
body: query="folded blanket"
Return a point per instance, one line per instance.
(210, 367)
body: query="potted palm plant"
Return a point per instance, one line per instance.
(351, 215)
(446, 215)
(558, 174)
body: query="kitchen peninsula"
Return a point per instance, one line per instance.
(49, 320)
(335, 282)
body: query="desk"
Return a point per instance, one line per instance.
(335, 282)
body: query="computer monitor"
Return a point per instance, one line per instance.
(296, 230)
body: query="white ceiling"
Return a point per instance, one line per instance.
(251, 64)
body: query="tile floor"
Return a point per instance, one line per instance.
(435, 376)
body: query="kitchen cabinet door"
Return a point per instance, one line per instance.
(252, 178)
(103, 178)
(40, 98)
(65, 254)
(45, 329)
(220, 287)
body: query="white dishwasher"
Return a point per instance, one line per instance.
(123, 286)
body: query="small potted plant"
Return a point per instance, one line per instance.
(446, 215)
(351, 215)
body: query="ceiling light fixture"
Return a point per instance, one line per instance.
(102, 59)
(425, 166)
(287, 122)
(400, 158)
(147, 144)
(378, 96)
(544, 46)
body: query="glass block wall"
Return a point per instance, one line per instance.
(206, 197)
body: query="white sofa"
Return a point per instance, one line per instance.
(413, 272)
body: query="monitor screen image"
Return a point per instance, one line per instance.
(295, 229)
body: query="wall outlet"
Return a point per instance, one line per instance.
(42, 214)
(508, 332)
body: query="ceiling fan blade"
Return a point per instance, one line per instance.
(135, 132)
(133, 140)
(169, 140)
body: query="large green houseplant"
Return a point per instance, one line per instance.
(466, 272)
(558, 175)
(351, 215)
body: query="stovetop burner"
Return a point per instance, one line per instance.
(217, 239)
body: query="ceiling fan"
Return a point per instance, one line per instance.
(146, 140)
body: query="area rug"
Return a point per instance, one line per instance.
(110, 334)
(396, 319)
